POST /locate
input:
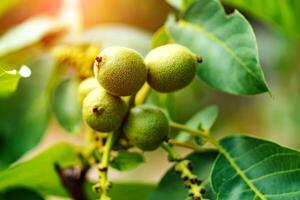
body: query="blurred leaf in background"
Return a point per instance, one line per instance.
(25, 114)
(160, 37)
(39, 173)
(66, 105)
(9, 80)
(125, 161)
(202, 120)
(18, 11)
(28, 33)
(283, 14)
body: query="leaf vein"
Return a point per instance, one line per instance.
(240, 172)
(258, 163)
(283, 194)
(267, 158)
(217, 40)
(275, 173)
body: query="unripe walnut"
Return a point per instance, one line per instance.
(146, 127)
(85, 87)
(170, 67)
(102, 111)
(120, 71)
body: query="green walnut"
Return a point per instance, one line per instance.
(120, 71)
(102, 111)
(146, 127)
(85, 87)
(170, 67)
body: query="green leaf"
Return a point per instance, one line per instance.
(172, 187)
(227, 44)
(25, 114)
(9, 80)
(284, 15)
(20, 193)
(125, 161)
(125, 191)
(29, 32)
(160, 37)
(202, 120)
(250, 168)
(39, 173)
(66, 106)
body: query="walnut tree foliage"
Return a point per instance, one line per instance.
(225, 54)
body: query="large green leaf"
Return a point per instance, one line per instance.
(250, 168)
(172, 187)
(125, 191)
(9, 80)
(39, 173)
(25, 114)
(227, 44)
(66, 106)
(283, 14)
(28, 33)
